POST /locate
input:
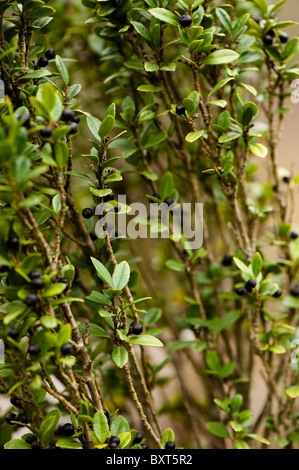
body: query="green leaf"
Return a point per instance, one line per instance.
(100, 426)
(293, 391)
(239, 444)
(94, 125)
(118, 425)
(149, 88)
(119, 356)
(142, 30)
(259, 150)
(256, 264)
(165, 15)
(219, 85)
(223, 56)
(48, 321)
(277, 349)
(67, 444)
(94, 330)
(125, 439)
(193, 136)
(102, 272)
(256, 437)
(56, 203)
(152, 316)
(121, 275)
(106, 126)
(218, 429)
(224, 19)
(36, 74)
(175, 265)
(166, 186)
(48, 427)
(54, 289)
(246, 270)
(62, 69)
(153, 139)
(168, 435)
(146, 340)
(17, 444)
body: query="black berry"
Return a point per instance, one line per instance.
(294, 235)
(240, 291)
(170, 445)
(66, 349)
(180, 110)
(250, 284)
(68, 430)
(286, 179)
(185, 20)
(46, 132)
(30, 439)
(135, 328)
(117, 208)
(284, 37)
(268, 40)
(12, 243)
(110, 196)
(257, 20)
(156, 196)
(169, 201)
(73, 128)
(10, 417)
(277, 294)
(76, 119)
(295, 290)
(15, 402)
(50, 54)
(113, 445)
(37, 283)
(33, 349)
(4, 269)
(106, 413)
(115, 440)
(65, 281)
(138, 438)
(67, 115)
(31, 300)
(34, 274)
(13, 333)
(227, 260)
(35, 445)
(93, 236)
(22, 418)
(43, 62)
(87, 213)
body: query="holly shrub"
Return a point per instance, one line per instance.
(127, 342)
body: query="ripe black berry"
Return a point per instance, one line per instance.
(257, 20)
(4, 269)
(110, 196)
(12, 243)
(169, 201)
(113, 445)
(76, 119)
(180, 110)
(106, 413)
(144, 446)
(15, 402)
(93, 236)
(135, 328)
(87, 213)
(10, 417)
(117, 208)
(284, 37)
(34, 274)
(35, 445)
(30, 439)
(185, 20)
(33, 349)
(294, 235)
(13, 333)
(250, 284)
(22, 418)
(46, 132)
(295, 290)
(68, 430)
(66, 349)
(227, 260)
(67, 115)
(43, 62)
(286, 179)
(240, 291)
(31, 300)
(115, 440)
(277, 294)
(138, 438)
(50, 54)
(73, 128)
(37, 283)
(170, 445)
(268, 40)
(65, 281)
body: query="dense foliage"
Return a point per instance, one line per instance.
(119, 342)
